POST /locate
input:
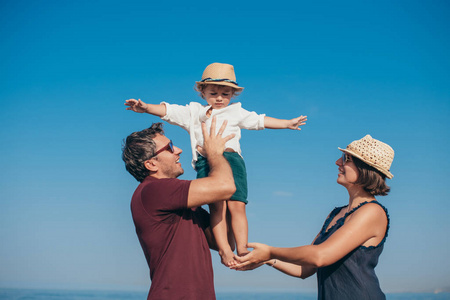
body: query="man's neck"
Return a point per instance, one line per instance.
(159, 175)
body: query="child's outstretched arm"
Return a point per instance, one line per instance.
(140, 106)
(294, 124)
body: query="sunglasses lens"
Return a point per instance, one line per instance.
(345, 158)
(171, 146)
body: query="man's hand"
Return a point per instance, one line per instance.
(214, 144)
(138, 106)
(297, 122)
(219, 185)
(254, 259)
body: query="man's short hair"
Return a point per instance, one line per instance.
(138, 148)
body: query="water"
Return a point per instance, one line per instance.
(28, 294)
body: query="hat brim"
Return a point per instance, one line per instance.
(240, 88)
(385, 172)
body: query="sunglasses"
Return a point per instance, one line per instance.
(346, 157)
(169, 146)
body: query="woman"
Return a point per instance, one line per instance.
(345, 252)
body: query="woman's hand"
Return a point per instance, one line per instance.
(254, 259)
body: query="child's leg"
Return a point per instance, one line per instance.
(231, 240)
(219, 227)
(239, 225)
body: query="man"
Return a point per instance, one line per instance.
(171, 226)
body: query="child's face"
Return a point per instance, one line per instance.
(218, 96)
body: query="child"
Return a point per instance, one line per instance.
(218, 86)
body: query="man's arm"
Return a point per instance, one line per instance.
(210, 239)
(219, 185)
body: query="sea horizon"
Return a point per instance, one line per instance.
(67, 294)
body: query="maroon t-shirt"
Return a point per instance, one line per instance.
(173, 240)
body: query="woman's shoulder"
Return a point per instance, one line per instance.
(372, 207)
(372, 212)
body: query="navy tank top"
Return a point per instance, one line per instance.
(352, 277)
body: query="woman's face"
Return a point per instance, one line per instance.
(348, 172)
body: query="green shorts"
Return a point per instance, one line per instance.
(239, 173)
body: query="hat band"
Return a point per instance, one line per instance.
(218, 80)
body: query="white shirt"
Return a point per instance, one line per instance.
(191, 116)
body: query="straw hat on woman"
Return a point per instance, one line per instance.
(345, 252)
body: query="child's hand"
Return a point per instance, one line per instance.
(138, 106)
(297, 122)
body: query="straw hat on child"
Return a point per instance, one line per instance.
(219, 74)
(373, 152)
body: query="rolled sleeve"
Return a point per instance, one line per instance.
(177, 115)
(251, 120)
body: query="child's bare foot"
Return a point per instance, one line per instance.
(227, 258)
(242, 251)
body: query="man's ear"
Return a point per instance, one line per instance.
(150, 165)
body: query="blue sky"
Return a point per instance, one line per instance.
(355, 68)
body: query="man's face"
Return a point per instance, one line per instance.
(168, 163)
